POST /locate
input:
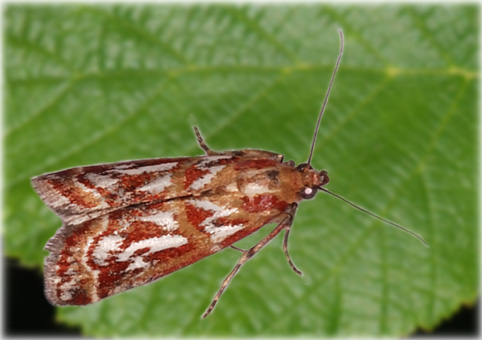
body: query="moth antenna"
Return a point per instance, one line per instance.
(376, 216)
(326, 96)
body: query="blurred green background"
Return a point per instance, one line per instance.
(96, 84)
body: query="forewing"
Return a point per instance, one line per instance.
(133, 246)
(83, 193)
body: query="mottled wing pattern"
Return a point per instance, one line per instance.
(136, 245)
(83, 193)
(129, 223)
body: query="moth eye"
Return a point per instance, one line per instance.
(308, 193)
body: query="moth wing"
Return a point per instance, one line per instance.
(133, 246)
(83, 193)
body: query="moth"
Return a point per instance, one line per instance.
(130, 223)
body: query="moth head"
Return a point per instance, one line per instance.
(312, 180)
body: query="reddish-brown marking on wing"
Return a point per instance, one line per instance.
(80, 297)
(191, 174)
(132, 182)
(85, 182)
(240, 234)
(108, 197)
(74, 239)
(252, 164)
(66, 268)
(196, 216)
(76, 195)
(265, 202)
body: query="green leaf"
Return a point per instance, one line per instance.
(95, 84)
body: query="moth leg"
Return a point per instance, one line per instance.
(285, 249)
(238, 249)
(247, 254)
(202, 144)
